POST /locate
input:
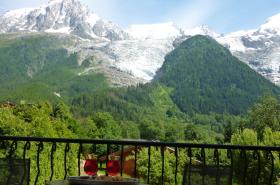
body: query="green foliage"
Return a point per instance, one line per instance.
(195, 98)
(249, 137)
(271, 138)
(156, 166)
(36, 120)
(245, 137)
(219, 123)
(201, 134)
(61, 111)
(206, 78)
(146, 108)
(152, 131)
(130, 130)
(203, 77)
(261, 127)
(265, 113)
(174, 132)
(107, 126)
(45, 120)
(88, 129)
(35, 67)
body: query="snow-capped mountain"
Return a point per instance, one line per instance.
(144, 54)
(259, 48)
(61, 16)
(139, 50)
(166, 30)
(141, 55)
(201, 30)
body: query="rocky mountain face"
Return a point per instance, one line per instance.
(61, 16)
(259, 48)
(139, 51)
(143, 54)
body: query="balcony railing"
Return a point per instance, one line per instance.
(192, 164)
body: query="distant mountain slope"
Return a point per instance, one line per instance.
(207, 78)
(138, 51)
(144, 54)
(259, 48)
(39, 67)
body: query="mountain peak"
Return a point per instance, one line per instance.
(61, 16)
(272, 25)
(201, 71)
(69, 3)
(259, 48)
(63, 1)
(201, 30)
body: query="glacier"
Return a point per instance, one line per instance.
(139, 50)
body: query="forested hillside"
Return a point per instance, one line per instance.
(200, 91)
(37, 67)
(206, 78)
(220, 100)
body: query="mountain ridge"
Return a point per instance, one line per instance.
(140, 49)
(259, 48)
(61, 16)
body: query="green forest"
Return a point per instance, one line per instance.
(257, 127)
(202, 94)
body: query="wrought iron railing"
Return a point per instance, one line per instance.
(202, 163)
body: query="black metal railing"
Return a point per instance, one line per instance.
(191, 164)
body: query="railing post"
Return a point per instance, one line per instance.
(176, 164)
(26, 147)
(269, 156)
(39, 150)
(217, 163)
(243, 155)
(135, 161)
(79, 158)
(256, 156)
(149, 163)
(107, 156)
(13, 148)
(190, 165)
(162, 164)
(204, 164)
(229, 156)
(122, 159)
(66, 150)
(53, 149)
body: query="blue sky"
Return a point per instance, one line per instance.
(223, 16)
